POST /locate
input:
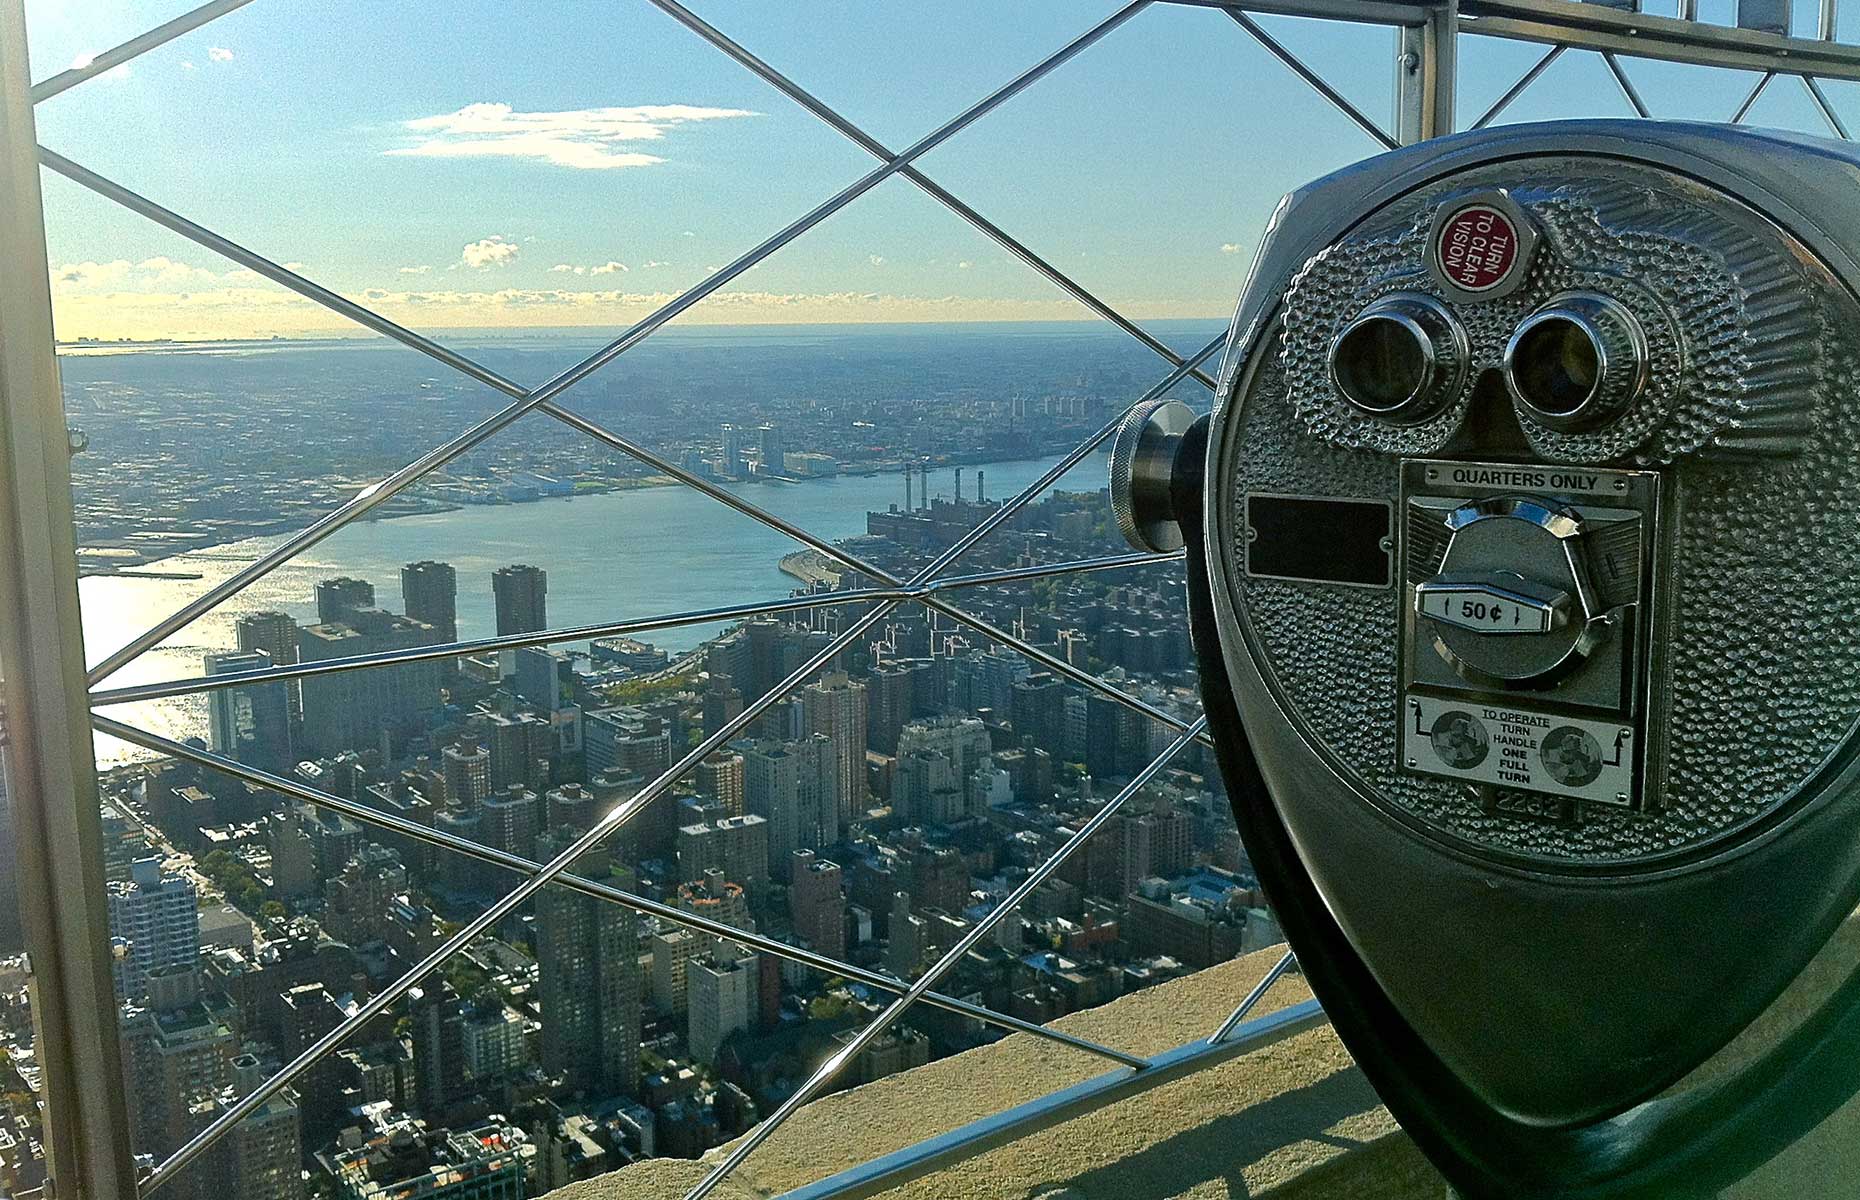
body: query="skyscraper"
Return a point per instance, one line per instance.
(430, 592)
(721, 777)
(157, 917)
(572, 804)
(672, 951)
(835, 708)
(468, 775)
(773, 452)
(717, 899)
(796, 786)
(544, 677)
(511, 820)
(346, 710)
(519, 592)
(737, 846)
(260, 1158)
(587, 956)
(356, 902)
(337, 598)
(438, 1029)
(1037, 708)
(935, 760)
(627, 738)
(276, 634)
(251, 724)
(720, 998)
(892, 700)
(172, 1057)
(927, 789)
(732, 437)
(520, 747)
(815, 904)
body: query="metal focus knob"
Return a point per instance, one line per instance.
(1142, 468)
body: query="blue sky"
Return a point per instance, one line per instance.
(476, 164)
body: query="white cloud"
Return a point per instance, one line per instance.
(1231, 247)
(655, 262)
(420, 270)
(689, 233)
(186, 66)
(877, 260)
(219, 54)
(607, 268)
(964, 265)
(494, 251)
(584, 138)
(151, 274)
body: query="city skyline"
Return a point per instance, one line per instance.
(616, 1053)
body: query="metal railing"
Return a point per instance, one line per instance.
(49, 692)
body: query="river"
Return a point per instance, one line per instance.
(612, 556)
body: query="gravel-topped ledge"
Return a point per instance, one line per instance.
(1293, 1119)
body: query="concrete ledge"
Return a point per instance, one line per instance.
(1292, 1121)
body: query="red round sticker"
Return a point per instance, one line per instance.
(1476, 248)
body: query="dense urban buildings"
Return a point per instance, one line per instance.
(871, 816)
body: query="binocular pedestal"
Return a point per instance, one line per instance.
(1523, 550)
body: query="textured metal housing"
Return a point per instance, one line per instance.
(1739, 381)
(1748, 420)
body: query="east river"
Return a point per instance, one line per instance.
(612, 556)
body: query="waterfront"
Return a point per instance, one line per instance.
(609, 557)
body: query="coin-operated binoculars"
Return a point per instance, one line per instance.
(1524, 572)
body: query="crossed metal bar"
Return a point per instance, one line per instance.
(1316, 82)
(923, 587)
(916, 588)
(376, 818)
(1286, 962)
(1811, 84)
(542, 398)
(828, 1070)
(613, 820)
(819, 108)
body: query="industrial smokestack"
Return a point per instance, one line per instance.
(981, 493)
(958, 485)
(907, 487)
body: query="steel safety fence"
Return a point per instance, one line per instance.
(1424, 76)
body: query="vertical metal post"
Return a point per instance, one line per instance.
(57, 831)
(1828, 28)
(1427, 74)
